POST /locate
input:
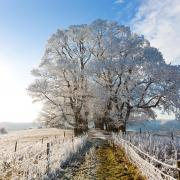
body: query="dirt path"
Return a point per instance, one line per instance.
(101, 161)
(105, 162)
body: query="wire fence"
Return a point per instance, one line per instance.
(39, 159)
(151, 167)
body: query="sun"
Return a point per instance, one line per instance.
(15, 104)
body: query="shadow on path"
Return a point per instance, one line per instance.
(98, 160)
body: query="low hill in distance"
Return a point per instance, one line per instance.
(148, 125)
(10, 126)
(155, 125)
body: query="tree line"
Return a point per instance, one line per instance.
(103, 74)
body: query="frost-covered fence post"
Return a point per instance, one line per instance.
(15, 147)
(73, 142)
(48, 157)
(113, 144)
(72, 138)
(178, 166)
(64, 136)
(172, 136)
(165, 153)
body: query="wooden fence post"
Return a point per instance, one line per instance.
(178, 166)
(48, 154)
(64, 136)
(42, 140)
(113, 144)
(73, 142)
(51, 143)
(172, 135)
(15, 146)
(140, 130)
(72, 139)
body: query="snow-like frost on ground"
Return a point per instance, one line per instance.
(32, 161)
(155, 156)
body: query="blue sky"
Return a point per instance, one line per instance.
(25, 26)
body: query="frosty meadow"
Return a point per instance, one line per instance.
(93, 79)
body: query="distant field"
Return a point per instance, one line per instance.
(11, 127)
(26, 138)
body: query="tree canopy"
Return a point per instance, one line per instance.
(103, 72)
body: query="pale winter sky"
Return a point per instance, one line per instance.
(25, 27)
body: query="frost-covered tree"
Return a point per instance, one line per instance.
(135, 78)
(62, 81)
(103, 70)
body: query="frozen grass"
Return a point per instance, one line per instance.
(162, 148)
(113, 164)
(104, 161)
(31, 159)
(156, 156)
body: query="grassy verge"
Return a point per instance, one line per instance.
(114, 165)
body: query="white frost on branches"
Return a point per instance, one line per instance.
(104, 66)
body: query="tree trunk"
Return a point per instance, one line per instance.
(78, 131)
(99, 123)
(81, 125)
(126, 118)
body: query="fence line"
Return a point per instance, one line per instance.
(147, 168)
(164, 148)
(40, 163)
(150, 157)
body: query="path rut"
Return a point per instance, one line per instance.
(101, 161)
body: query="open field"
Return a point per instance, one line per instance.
(29, 138)
(39, 153)
(36, 152)
(33, 134)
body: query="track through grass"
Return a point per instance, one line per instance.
(114, 165)
(106, 162)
